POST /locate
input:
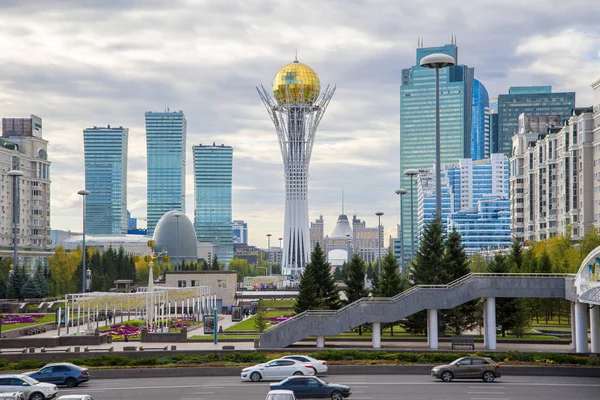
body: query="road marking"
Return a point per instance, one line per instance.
(204, 392)
(479, 387)
(485, 393)
(490, 398)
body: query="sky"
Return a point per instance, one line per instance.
(84, 63)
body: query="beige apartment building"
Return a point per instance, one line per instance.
(552, 185)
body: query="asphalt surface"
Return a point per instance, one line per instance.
(382, 387)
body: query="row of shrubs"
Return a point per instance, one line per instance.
(342, 356)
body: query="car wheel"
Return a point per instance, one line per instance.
(71, 382)
(298, 373)
(314, 369)
(37, 396)
(255, 377)
(336, 395)
(488, 376)
(447, 376)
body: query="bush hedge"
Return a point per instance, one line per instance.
(334, 356)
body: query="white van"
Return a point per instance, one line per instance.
(13, 396)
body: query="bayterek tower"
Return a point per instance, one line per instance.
(296, 108)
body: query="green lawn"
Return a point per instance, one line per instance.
(225, 337)
(45, 319)
(279, 303)
(248, 323)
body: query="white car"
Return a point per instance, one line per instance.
(76, 397)
(33, 389)
(320, 366)
(280, 395)
(276, 370)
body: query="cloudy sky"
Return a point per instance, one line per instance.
(80, 63)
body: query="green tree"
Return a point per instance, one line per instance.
(390, 281)
(516, 254)
(30, 290)
(511, 313)
(63, 267)
(589, 242)
(544, 266)
(355, 281)
(17, 280)
(426, 270)
(327, 294)
(40, 282)
(260, 319)
(215, 265)
(241, 266)
(455, 263)
(307, 292)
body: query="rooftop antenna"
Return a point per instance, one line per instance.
(296, 55)
(342, 201)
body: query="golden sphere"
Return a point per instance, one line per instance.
(296, 83)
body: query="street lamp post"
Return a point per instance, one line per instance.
(348, 248)
(437, 61)
(379, 214)
(412, 173)
(15, 173)
(83, 193)
(269, 251)
(280, 256)
(401, 193)
(177, 216)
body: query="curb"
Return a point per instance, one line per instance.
(336, 370)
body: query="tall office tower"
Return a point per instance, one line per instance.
(165, 148)
(531, 100)
(22, 148)
(552, 178)
(213, 168)
(105, 151)
(317, 232)
(417, 119)
(239, 230)
(494, 125)
(596, 133)
(480, 134)
(296, 108)
(464, 186)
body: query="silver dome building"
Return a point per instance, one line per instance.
(175, 234)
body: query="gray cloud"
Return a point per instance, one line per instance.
(86, 62)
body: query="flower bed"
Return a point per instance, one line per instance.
(13, 319)
(279, 319)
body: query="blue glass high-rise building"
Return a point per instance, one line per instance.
(417, 118)
(463, 187)
(494, 142)
(531, 100)
(213, 169)
(480, 133)
(105, 152)
(165, 149)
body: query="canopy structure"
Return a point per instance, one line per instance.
(155, 306)
(587, 282)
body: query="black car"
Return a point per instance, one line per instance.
(66, 374)
(312, 387)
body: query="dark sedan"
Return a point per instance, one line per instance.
(66, 374)
(312, 387)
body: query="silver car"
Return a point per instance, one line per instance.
(276, 370)
(33, 389)
(76, 397)
(13, 396)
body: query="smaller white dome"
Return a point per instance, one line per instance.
(173, 227)
(342, 228)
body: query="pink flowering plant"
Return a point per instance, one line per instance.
(281, 318)
(13, 319)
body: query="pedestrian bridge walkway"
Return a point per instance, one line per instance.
(421, 297)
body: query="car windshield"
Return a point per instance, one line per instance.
(29, 380)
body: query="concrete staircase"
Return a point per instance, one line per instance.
(418, 298)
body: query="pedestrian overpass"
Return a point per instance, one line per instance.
(582, 290)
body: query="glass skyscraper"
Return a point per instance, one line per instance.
(531, 100)
(480, 134)
(464, 186)
(239, 231)
(165, 147)
(105, 152)
(494, 126)
(417, 118)
(213, 169)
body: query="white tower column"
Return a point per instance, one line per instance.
(490, 323)
(376, 335)
(581, 344)
(595, 328)
(573, 328)
(432, 328)
(320, 342)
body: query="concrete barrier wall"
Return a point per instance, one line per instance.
(15, 333)
(55, 341)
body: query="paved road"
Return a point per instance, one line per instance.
(384, 387)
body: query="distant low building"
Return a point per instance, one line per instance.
(221, 283)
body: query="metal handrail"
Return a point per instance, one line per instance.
(410, 291)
